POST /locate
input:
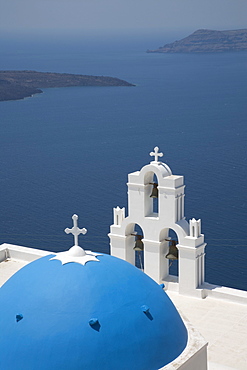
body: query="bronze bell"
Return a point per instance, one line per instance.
(139, 246)
(155, 190)
(173, 251)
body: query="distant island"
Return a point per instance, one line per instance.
(207, 41)
(15, 85)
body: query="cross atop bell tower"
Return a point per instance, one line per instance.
(155, 220)
(156, 155)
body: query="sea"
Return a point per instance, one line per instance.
(69, 150)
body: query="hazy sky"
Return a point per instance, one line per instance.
(120, 15)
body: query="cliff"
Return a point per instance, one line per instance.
(16, 85)
(207, 41)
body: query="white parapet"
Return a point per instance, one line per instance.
(21, 253)
(14, 257)
(194, 356)
(118, 215)
(195, 228)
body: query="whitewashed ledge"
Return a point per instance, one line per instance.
(222, 292)
(223, 324)
(14, 257)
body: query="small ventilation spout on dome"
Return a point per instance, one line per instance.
(94, 323)
(19, 317)
(145, 308)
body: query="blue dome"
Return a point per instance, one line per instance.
(103, 315)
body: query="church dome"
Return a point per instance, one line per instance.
(87, 311)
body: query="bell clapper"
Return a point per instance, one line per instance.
(140, 259)
(170, 264)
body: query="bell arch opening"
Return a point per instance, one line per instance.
(151, 200)
(169, 240)
(135, 243)
(173, 254)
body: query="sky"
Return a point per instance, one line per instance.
(119, 16)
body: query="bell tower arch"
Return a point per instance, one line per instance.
(169, 190)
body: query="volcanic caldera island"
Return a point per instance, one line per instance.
(15, 85)
(207, 41)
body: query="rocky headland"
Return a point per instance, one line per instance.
(207, 41)
(15, 85)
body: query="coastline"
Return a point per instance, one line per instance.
(17, 85)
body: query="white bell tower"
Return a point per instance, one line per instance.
(155, 223)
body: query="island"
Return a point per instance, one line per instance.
(207, 41)
(15, 85)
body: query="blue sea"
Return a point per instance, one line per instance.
(69, 150)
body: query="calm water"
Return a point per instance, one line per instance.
(69, 150)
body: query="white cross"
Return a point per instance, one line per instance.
(75, 230)
(156, 154)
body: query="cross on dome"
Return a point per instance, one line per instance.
(156, 154)
(75, 230)
(76, 254)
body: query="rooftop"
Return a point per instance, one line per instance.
(224, 326)
(13, 258)
(222, 323)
